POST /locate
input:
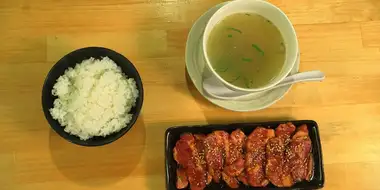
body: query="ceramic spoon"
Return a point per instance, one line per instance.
(218, 90)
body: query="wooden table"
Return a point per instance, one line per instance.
(339, 37)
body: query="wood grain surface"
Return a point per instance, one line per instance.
(339, 37)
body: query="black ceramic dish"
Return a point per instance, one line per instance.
(173, 134)
(70, 60)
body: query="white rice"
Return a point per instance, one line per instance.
(94, 98)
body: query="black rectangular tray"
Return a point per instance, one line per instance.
(173, 134)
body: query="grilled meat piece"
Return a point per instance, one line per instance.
(215, 150)
(243, 178)
(299, 161)
(275, 152)
(187, 156)
(255, 158)
(200, 145)
(234, 162)
(230, 180)
(236, 144)
(236, 168)
(182, 181)
(182, 151)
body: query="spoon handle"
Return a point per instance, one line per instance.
(301, 77)
(217, 90)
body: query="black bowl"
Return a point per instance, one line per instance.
(70, 60)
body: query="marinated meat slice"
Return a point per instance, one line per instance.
(182, 152)
(275, 159)
(214, 152)
(187, 156)
(243, 178)
(223, 140)
(236, 143)
(214, 157)
(285, 131)
(298, 155)
(196, 178)
(234, 162)
(200, 145)
(275, 152)
(287, 179)
(231, 181)
(255, 156)
(236, 168)
(182, 181)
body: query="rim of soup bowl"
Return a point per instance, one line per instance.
(228, 10)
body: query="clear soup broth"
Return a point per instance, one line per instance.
(246, 50)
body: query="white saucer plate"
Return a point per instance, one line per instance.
(196, 68)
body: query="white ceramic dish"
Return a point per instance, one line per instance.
(196, 67)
